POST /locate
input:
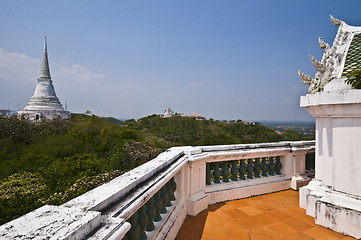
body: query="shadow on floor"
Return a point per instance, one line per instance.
(193, 226)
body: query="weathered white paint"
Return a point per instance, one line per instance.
(52, 222)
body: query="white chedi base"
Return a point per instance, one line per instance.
(333, 198)
(39, 115)
(340, 212)
(335, 210)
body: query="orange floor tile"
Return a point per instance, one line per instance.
(273, 216)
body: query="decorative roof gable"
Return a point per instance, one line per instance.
(337, 61)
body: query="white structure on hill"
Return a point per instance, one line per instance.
(334, 196)
(44, 104)
(168, 113)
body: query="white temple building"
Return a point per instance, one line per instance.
(44, 104)
(168, 113)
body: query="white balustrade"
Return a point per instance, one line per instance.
(121, 208)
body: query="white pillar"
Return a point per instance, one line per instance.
(198, 200)
(299, 177)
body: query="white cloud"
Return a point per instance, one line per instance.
(18, 74)
(79, 74)
(17, 68)
(77, 78)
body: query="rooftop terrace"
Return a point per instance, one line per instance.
(267, 217)
(152, 200)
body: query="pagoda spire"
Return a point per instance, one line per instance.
(45, 71)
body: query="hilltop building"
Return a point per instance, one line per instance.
(168, 113)
(44, 104)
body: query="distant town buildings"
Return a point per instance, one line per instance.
(44, 104)
(196, 116)
(7, 113)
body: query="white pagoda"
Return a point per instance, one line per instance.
(44, 104)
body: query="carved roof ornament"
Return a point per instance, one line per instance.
(313, 83)
(335, 21)
(305, 78)
(323, 44)
(336, 60)
(320, 67)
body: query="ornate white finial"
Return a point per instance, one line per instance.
(335, 21)
(318, 65)
(45, 45)
(322, 43)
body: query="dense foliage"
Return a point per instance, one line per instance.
(54, 161)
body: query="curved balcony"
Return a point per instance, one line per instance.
(153, 200)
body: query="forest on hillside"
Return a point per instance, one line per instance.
(54, 161)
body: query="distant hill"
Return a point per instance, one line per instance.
(53, 161)
(114, 120)
(305, 129)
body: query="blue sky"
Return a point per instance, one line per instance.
(129, 59)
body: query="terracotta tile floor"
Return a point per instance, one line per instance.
(266, 217)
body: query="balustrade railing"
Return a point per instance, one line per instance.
(143, 220)
(226, 171)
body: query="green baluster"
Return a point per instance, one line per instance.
(143, 220)
(271, 167)
(216, 173)
(257, 167)
(242, 169)
(250, 168)
(264, 167)
(165, 198)
(169, 190)
(278, 166)
(174, 188)
(308, 162)
(225, 172)
(151, 211)
(158, 203)
(234, 171)
(208, 174)
(134, 232)
(312, 161)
